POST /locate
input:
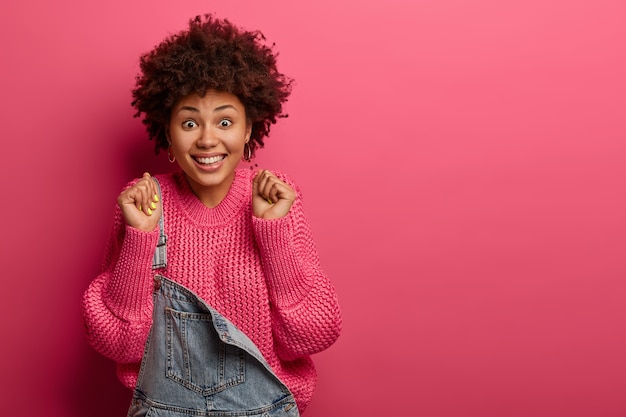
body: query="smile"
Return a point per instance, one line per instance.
(210, 160)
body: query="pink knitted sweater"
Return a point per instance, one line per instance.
(263, 275)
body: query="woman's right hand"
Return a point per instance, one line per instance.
(140, 204)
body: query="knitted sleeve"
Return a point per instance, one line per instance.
(117, 305)
(306, 314)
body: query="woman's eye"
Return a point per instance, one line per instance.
(225, 123)
(189, 124)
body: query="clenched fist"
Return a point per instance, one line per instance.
(140, 204)
(271, 197)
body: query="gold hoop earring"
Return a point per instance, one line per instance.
(170, 154)
(247, 156)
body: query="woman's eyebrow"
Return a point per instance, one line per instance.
(219, 108)
(188, 108)
(226, 106)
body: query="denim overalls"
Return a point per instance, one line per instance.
(197, 363)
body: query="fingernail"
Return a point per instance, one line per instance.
(140, 208)
(156, 198)
(153, 206)
(269, 201)
(149, 212)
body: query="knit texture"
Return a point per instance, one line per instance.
(263, 275)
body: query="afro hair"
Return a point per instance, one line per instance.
(211, 54)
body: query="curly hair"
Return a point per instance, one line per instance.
(211, 54)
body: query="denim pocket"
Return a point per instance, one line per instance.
(196, 356)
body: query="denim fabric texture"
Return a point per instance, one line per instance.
(197, 363)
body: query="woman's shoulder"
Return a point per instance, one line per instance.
(168, 183)
(249, 174)
(167, 178)
(170, 179)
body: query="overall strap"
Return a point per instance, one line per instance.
(160, 254)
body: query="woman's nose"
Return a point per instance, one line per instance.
(207, 138)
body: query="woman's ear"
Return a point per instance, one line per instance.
(166, 131)
(248, 130)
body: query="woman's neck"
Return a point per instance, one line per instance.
(211, 196)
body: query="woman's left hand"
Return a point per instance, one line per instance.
(271, 197)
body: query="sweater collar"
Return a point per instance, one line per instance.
(238, 197)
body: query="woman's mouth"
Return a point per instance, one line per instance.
(211, 160)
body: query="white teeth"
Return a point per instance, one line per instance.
(210, 160)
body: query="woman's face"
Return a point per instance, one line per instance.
(208, 135)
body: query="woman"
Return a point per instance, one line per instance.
(236, 239)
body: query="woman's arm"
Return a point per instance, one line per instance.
(306, 314)
(117, 305)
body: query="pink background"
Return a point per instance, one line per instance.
(463, 165)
